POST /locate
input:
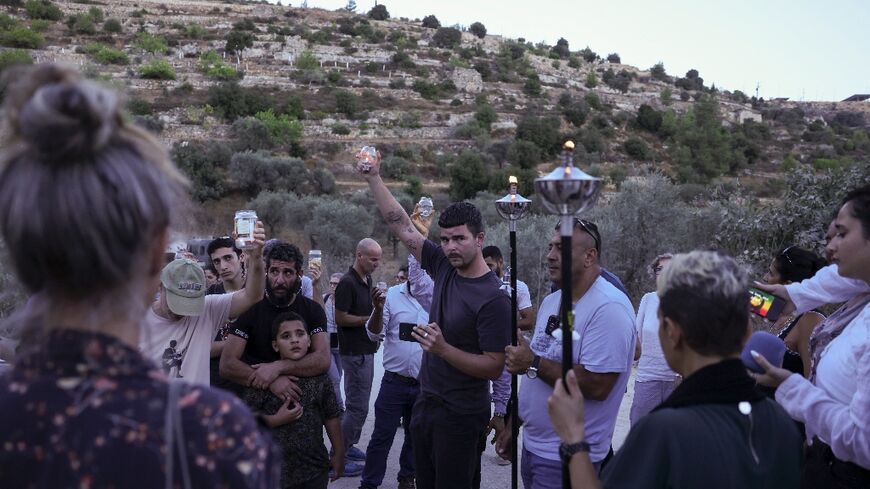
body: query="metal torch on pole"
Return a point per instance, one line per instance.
(513, 207)
(566, 192)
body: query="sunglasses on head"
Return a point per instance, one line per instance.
(591, 229)
(784, 254)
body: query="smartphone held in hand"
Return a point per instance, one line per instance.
(767, 306)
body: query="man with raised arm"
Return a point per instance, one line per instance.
(463, 344)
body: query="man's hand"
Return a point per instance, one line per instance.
(430, 338)
(503, 442)
(375, 166)
(287, 414)
(336, 461)
(519, 358)
(315, 271)
(285, 387)
(423, 224)
(264, 374)
(772, 376)
(566, 409)
(497, 424)
(378, 298)
(780, 291)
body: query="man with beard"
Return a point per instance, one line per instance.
(248, 358)
(463, 344)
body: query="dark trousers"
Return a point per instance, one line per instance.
(393, 407)
(446, 444)
(319, 482)
(823, 470)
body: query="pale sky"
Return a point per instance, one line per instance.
(802, 49)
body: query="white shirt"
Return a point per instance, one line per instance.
(188, 358)
(400, 357)
(604, 319)
(307, 287)
(827, 286)
(652, 365)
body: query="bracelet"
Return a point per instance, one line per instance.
(498, 415)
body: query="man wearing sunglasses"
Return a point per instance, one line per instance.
(603, 346)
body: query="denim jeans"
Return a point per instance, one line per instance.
(334, 374)
(543, 473)
(359, 371)
(393, 407)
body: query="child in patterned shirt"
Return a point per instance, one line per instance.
(298, 427)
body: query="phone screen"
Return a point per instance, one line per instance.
(765, 305)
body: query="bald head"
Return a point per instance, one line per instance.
(368, 256)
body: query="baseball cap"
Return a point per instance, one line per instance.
(184, 282)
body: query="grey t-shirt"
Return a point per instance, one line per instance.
(475, 316)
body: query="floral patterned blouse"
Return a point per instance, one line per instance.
(84, 410)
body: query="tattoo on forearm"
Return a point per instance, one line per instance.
(394, 217)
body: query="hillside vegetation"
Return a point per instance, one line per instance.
(264, 105)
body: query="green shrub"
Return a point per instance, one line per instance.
(379, 12)
(40, 25)
(658, 72)
(211, 64)
(431, 22)
(594, 102)
(544, 132)
(428, 91)
(323, 180)
(346, 103)
(251, 134)
(524, 154)
(591, 80)
(43, 9)
(157, 70)
(137, 106)
(283, 129)
(340, 129)
(195, 31)
(486, 115)
(447, 37)
(827, 164)
(151, 43)
(395, 167)
(81, 24)
(648, 118)
(203, 164)
(614, 58)
(233, 101)
(588, 55)
(7, 22)
(112, 26)
(106, 55)
(238, 40)
(637, 149)
(12, 57)
(21, 37)
(468, 176)
(254, 172)
(477, 29)
(97, 14)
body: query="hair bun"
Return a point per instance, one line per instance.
(61, 116)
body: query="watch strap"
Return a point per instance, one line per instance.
(568, 450)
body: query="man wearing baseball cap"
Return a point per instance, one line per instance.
(180, 324)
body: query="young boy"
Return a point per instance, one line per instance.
(299, 428)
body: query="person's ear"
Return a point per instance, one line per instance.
(673, 332)
(275, 345)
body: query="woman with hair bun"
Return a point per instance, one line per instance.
(793, 265)
(86, 201)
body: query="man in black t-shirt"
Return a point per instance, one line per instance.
(248, 358)
(464, 343)
(353, 306)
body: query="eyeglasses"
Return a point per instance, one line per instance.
(333, 284)
(658, 269)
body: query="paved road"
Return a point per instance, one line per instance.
(493, 475)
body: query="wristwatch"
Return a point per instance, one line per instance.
(532, 372)
(566, 451)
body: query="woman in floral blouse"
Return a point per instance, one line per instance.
(85, 206)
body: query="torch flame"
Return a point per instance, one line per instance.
(512, 180)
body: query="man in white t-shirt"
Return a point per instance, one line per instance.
(181, 323)
(603, 349)
(495, 261)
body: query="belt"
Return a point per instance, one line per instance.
(400, 378)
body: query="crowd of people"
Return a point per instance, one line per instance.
(134, 372)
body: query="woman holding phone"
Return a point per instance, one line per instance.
(792, 265)
(834, 403)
